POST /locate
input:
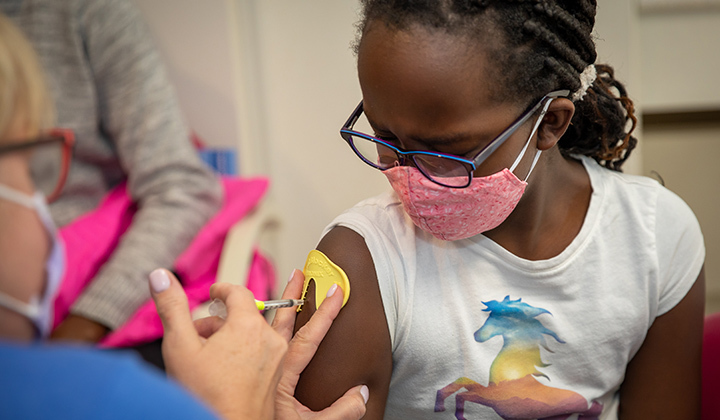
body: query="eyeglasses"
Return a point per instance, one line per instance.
(54, 150)
(441, 168)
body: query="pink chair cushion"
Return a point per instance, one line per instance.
(90, 240)
(711, 368)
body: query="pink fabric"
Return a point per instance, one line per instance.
(90, 240)
(711, 368)
(456, 213)
(145, 324)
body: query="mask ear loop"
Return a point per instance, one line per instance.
(534, 130)
(36, 310)
(17, 197)
(28, 310)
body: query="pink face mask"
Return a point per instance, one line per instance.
(459, 213)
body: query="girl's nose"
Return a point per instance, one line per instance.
(404, 161)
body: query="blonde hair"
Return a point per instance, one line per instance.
(24, 98)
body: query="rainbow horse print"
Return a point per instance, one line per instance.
(512, 391)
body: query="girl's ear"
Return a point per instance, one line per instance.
(555, 123)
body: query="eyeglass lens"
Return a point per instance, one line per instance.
(439, 169)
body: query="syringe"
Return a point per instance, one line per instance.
(217, 306)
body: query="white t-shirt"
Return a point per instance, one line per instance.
(498, 336)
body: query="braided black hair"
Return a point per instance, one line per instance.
(540, 46)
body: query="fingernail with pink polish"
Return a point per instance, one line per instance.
(365, 393)
(292, 275)
(332, 290)
(159, 280)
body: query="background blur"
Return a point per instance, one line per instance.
(275, 79)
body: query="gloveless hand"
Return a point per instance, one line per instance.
(233, 365)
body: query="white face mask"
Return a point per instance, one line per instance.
(40, 309)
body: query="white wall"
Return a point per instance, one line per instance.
(197, 42)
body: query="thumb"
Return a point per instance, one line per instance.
(350, 406)
(172, 306)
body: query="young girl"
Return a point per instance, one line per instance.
(514, 273)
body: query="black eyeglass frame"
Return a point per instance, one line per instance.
(346, 132)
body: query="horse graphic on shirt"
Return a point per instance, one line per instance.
(513, 392)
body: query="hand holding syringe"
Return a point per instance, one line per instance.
(217, 306)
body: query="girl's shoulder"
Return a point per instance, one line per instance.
(640, 215)
(635, 194)
(381, 213)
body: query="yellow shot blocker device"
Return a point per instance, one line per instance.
(324, 273)
(318, 268)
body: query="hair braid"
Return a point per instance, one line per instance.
(567, 75)
(582, 35)
(539, 46)
(552, 40)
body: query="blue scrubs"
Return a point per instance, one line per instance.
(40, 381)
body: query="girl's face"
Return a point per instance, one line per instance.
(429, 90)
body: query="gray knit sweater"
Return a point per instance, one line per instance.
(110, 87)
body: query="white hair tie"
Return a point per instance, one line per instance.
(587, 77)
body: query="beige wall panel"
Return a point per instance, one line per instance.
(681, 60)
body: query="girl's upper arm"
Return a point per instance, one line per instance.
(357, 348)
(663, 380)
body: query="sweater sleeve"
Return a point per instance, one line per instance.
(175, 193)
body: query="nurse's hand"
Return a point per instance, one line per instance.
(303, 346)
(233, 365)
